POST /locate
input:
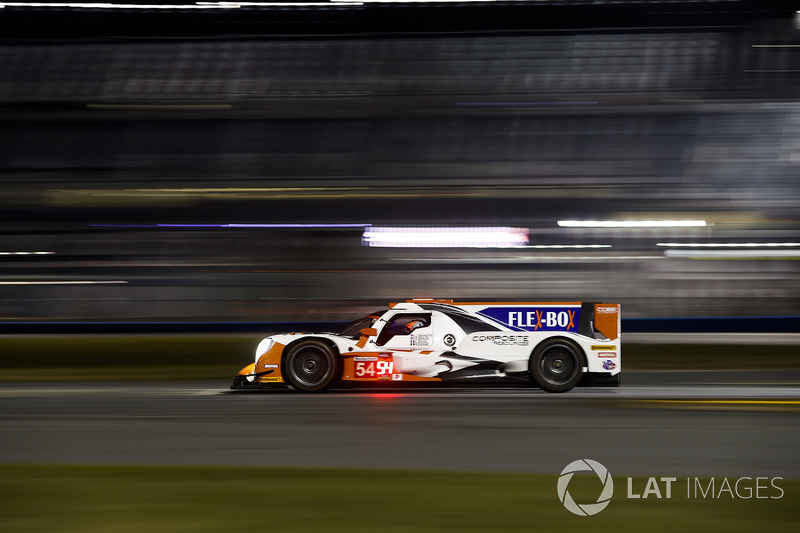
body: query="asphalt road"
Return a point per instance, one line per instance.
(693, 424)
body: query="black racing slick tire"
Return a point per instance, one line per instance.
(312, 366)
(556, 365)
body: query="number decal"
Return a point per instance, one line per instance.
(385, 367)
(372, 369)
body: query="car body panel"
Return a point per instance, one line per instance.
(438, 340)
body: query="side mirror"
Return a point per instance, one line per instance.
(369, 332)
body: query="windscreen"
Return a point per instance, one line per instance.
(354, 327)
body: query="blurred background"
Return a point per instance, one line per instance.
(232, 163)
(190, 176)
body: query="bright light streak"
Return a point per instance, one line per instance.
(577, 246)
(528, 259)
(728, 244)
(632, 223)
(290, 226)
(26, 253)
(430, 1)
(281, 4)
(454, 237)
(734, 254)
(234, 226)
(88, 5)
(196, 6)
(91, 282)
(384, 395)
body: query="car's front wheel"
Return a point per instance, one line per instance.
(311, 366)
(556, 365)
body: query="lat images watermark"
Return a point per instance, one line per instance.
(586, 509)
(741, 488)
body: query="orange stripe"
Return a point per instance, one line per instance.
(271, 357)
(247, 370)
(607, 323)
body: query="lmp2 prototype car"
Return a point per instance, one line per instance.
(555, 345)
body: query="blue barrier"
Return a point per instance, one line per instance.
(744, 324)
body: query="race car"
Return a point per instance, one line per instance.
(556, 346)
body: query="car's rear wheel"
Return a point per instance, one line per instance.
(312, 366)
(556, 365)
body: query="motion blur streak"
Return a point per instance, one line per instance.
(445, 237)
(738, 254)
(262, 226)
(632, 223)
(61, 282)
(101, 5)
(232, 179)
(728, 244)
(26, 253)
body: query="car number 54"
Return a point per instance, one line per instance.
(373, 368)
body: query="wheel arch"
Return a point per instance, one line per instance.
(332, 345)
(335, 351)
(548, 376)
(575, 344)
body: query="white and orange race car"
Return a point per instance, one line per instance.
(557, 346)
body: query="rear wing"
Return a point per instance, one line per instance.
(598, 320)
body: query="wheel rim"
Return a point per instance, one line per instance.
(558, 365)
(311, 367)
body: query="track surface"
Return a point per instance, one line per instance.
(694, 424)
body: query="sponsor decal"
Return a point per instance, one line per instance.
(421, 339)
(596, 347)
(503, 340)
(607, 354)
(606, 310)
(397, 377)
(268, 379)
(365, 358)
(608, 364)
(270, 366)
(449, 339)
(535, 318)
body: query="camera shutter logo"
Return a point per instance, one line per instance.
(586, 509)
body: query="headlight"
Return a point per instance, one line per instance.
(263, 347)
